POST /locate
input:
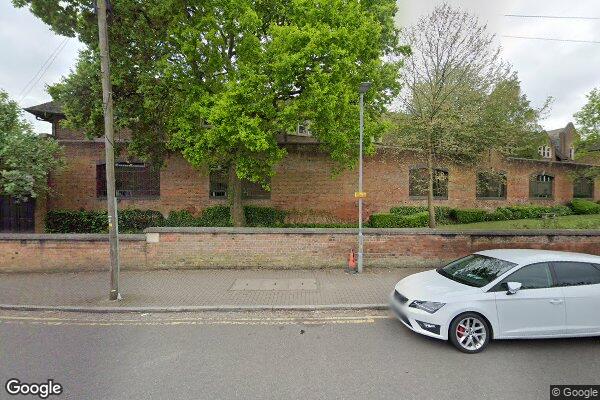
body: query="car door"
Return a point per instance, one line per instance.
(536, 310)
(581, 287)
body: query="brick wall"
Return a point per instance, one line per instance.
(163, 248)
(305, 183)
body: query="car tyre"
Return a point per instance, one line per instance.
(470, 333)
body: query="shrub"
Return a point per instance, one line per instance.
(582, 206)
(66, 221)
(215, 216)
(417, 220)
(526, 212)
(133, 220)
(264, 216)
(182, 218)
(130, 221)
(442, 214)
(469, 215)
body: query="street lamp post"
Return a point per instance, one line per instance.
(364, 86)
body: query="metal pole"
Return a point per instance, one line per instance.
(109, 149)
(360, 189)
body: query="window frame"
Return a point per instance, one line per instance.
(545, 151)
(592, 188)
(555, 275)
(533, 180)
(137, 194)
(436, 170)
(505, 191)
(498, 287)
(246, 186)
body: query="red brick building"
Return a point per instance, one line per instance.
(305, 184)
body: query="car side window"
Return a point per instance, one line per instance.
(576, 273)
(533, 276)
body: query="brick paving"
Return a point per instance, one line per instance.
(191, 288)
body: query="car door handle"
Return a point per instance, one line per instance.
(556, 301)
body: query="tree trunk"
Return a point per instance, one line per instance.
(236, 206)
(430, 206)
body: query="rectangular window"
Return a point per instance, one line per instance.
(541, 186)
(583, 188)
(132, 180)
(491, 185)
(545, 151)
(418, 183)
(250, 190)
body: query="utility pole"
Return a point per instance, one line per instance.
(107, 104)
(364, 86)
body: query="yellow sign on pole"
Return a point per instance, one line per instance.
(360, 195)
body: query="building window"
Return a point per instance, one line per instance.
(545, 151)
(418, 183)
(572, 153)
(250, 190)
(583, 188)
(491, 185)
(132, 180)
(541, 186)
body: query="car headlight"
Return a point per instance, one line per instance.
(429, 306)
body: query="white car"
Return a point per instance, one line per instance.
(503, 294)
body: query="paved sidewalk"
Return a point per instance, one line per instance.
(188, 289)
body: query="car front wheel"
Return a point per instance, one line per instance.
(469, 333)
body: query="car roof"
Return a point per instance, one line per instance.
(529, 256)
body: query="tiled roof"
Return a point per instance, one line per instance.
(46, 111)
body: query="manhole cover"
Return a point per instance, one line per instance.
(274, 284)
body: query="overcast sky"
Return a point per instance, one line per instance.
(564, 70)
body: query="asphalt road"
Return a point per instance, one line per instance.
(326, 355)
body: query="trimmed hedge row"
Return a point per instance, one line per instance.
(582, 207)
(134, 221)
(445, 215)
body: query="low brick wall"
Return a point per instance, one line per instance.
(162, 248)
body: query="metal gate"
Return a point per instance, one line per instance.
(16, 216)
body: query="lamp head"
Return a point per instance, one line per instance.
(364, 86)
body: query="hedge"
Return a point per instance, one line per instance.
(442, 214)
(582, 206)
(417, 220)
(469, 215)
(527, 212)
(130, 221)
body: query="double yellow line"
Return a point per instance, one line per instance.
(221, 320)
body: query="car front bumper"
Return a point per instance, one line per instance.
(419, 321)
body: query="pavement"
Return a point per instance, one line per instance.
(275, 355)
(201, 290)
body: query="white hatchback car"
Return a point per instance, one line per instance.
(503, 294)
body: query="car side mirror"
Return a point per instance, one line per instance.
(513, 287)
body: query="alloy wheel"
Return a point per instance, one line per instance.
(470, 333)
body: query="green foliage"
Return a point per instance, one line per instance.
(65, 221)
(442, 213)
(25, 158)
(526, 212)
(130, 221)
(182, 218)
(417, 220)
(219, 80)
(588, 118)
(264, 216)
(469, 215)
(582, 206)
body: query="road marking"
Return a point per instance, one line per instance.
(55, 321)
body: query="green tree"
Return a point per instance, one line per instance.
(25, 158)
(460, 101)
(588, 125)
(219, 80)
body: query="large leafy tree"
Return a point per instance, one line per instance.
(25, 158)
(588, 124)
(219, 80)
(460, 100)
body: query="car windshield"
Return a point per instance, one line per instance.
(475, 270)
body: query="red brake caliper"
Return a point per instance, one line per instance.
(461, 331)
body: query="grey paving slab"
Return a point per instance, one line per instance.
(181, 288)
